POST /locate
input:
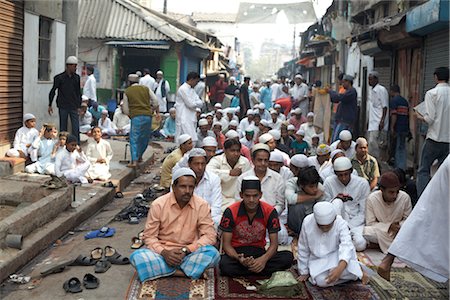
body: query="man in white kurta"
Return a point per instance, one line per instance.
(85, 118)
(422, 241)
(348, 193)
(99, 154)
(326, 255)
(345, 143)
(386, 211)
(147, 80)
(229, 166)
(186, 103)
(90, 87)
(378, 114)
(309, 128)
(161, 89)
(121, 121)
(106, 125)
(300, 93)
(207, 183)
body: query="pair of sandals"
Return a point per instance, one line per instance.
(73, 285)
(110, 184)
(137, 241)
(105, 257)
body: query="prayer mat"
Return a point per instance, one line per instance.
(236, 288)
(174, 288)
(408, 284)
(376, 256)
(352, 290)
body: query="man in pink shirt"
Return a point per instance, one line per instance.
(179, 234)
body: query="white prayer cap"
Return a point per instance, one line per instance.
(345, 135)
(182, 172)
(166, 115)
(198, 109)
(84, 98)
(27, 117)
(300, 161)
(218, 105)
(310, 114)
(210, 114)
(237, 109)
(217, 124)
(183, 138)
(262, 106)
(219, 111)
(231, 134)
(139, 73)
(202, 116)
(342, 164)
(298, 76)
(232, 78)
(159, 72)
(333, 153)
(273, 111)
(250, 112)
(233, 123)
(323, 149)
(222, 75)
(202, 122)
(260, 146)
(277, 106)
(256, 106)
(172, 109)
(276, 156)
(275, 133)
(255, 86)
(197, 152)
(268, 80)
(361, 141)
(291, 127)
(133, 78)
(300, 132)
(374, 74)
(105, 112)
(209, 141)
(297, 111)
(266, 137)
(202, 76)
(264, 123)
(324, 213)
(71, 60)
(274, 77)
(229, 110)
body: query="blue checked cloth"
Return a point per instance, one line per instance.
(150, 265)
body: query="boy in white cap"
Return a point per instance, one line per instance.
(99, 153)
(219, 118)
(300, 146)
(309, 128)
(121, 121)
(246, 122)
(169, 128)
(265, 115)
(248, 138)
(85, 118)
(345, 143)
(23, 139)
(72, 163)
(203, 131)
(186, 144)
(274, 122)
(281, 116)
(106, 125)
(326, 255)
(276, 163)
(45, 145)
(348, 193)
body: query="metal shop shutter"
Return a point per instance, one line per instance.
(382, 64)
(11, 62)
(436, 55)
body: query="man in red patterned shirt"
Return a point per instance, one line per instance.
(244, 225)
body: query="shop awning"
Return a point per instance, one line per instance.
(157, 45)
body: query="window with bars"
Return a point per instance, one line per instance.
(45, 33)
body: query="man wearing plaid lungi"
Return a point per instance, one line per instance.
(179, 234)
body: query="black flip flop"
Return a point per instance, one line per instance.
(56, 268)
(82, 260)
(109, 184)
(102, 266)
(115, 257)
(73, 285)
(90, 281)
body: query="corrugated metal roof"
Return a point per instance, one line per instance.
(213, 17)
(124, 19)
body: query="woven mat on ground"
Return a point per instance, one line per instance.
(408, 284)
(175, 288)
(354, 290)
(236, 288)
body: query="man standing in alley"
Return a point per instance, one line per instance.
(300, 94)
(90, 87)
(68, 100)
(187, 102)
(147, 80)
(378, 111)
(139, 103)
(244, 100)
(435, 112)
(161, 89)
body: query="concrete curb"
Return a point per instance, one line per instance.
(12, 260)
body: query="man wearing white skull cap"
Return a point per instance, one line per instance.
(348, 193)
(326, 255)
(24, 138)
(186, 144)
